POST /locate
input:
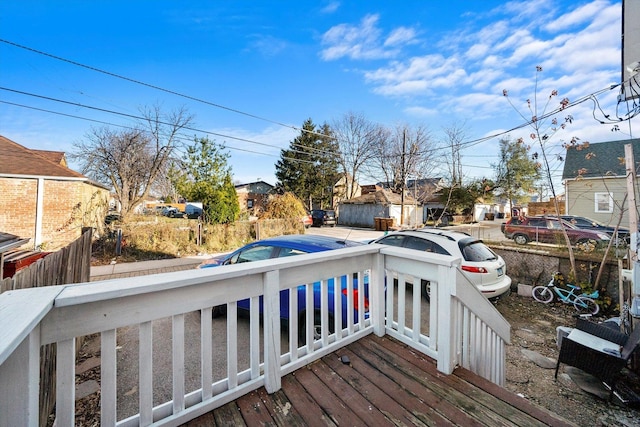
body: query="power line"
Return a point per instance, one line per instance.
(172, 92)
(77, 104)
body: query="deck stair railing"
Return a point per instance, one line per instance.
(164, 360)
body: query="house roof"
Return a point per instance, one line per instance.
(381, 197)
(10, 241)
(258, 187)
(54, 156)
(605, 159)
(17, 160)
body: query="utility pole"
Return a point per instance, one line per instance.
(402, 175)
(634, 264)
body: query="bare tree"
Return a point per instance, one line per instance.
(132, 160)
(403, 153)
(544, 125)
(455, 134)
(356, 137)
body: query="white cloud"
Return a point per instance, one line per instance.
(578, 16)
(400, 36)
(478, 51)
(462, 75)
(364, 41)
(267, 45)
(418, 74)
(331, 7)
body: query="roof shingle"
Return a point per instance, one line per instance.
(20, 161)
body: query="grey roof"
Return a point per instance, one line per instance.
(380, 197)
(10, 241)
(604, 159)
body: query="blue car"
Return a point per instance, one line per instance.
(290, 245)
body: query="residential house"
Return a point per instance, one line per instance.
(253, 196)
(45, 201)
(345, 188)
(595, 181)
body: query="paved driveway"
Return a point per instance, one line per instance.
(485, 230)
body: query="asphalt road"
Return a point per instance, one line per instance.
(485, 230)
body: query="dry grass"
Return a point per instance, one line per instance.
(156, 237)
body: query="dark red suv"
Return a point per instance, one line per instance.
(548, 230)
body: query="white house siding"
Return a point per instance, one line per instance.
(580, 199)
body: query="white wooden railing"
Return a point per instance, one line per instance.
(458, 327)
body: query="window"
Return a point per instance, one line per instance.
(285, 252)
(424, 245)
(393, 240)
(604, 202)
(538, 222)
(249, 203)
(255, 253)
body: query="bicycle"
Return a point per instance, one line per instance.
(583, 303)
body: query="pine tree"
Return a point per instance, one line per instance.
(207, 179)
(309, 167)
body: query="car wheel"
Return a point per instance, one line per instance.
(317, 327)
(587, 245)
(426, 290)
(521, 239)
(219, 311)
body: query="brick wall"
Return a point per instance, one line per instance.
(18, 201)
(67, 207)
(545, 208)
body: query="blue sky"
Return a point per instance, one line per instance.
(271, 65)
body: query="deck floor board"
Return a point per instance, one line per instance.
(383, 383)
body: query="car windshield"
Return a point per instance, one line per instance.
(476, 251)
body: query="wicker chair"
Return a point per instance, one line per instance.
(604, 365)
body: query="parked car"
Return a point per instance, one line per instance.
(621, 236)
(307, 221)
(483, 267)
(112, 217)
(285, 246)
(168, 211)
(547, 229)
(322, 217)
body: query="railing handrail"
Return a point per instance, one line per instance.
(35, 317)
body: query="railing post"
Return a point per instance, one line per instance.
(446, 319)
(272, 380)
(20, 379)
(376, 288)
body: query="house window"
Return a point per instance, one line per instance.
(249, 203)
(604, 202)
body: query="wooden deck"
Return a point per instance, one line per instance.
(380, 381)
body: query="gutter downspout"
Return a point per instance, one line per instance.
(37, 241)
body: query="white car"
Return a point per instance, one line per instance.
(483, 267)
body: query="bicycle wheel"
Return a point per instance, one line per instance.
(542, 294)
(586, 305)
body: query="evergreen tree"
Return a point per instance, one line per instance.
(309, 168)
(206, 178)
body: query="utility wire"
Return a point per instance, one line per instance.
(129, 127)
(463, 145)
(172, 92)
(76, 104)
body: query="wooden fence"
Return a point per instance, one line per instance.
(71, 264)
